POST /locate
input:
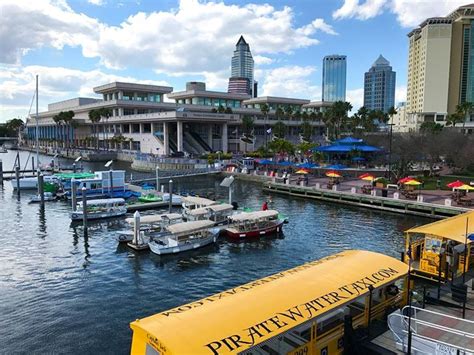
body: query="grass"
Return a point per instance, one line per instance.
(430, 183)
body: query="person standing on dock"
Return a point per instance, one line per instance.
(265, 206)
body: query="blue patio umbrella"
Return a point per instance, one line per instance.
(307, 165)
(285, 163)
(266, 162)
(358, 159)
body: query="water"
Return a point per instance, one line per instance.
(62, 292)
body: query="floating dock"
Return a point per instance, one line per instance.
(415, 208)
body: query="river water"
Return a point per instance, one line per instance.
(61, 292)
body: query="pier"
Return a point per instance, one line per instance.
(422, 209)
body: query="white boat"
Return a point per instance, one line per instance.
(48, 196)
(100, 183)
(219, 214)
(176, 199)
(31, 183)
(185, 236)
(99, 209)
(150, 226)
(190, 203)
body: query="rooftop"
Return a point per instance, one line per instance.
(110, 87)
(275, 99)
(207, 93)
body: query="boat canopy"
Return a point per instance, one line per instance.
(155, 218)
(105, 201)
(240, 318)
(221, 207)
(189, 227)
(453, 228)
(245, 216)
(193, 200)
(68, 176)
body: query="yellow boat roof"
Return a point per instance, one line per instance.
(278, 303)
(453, 228)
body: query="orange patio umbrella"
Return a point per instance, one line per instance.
(367, 177)
(405, 180)
(333, 174)
(302, 171)
(454, 184)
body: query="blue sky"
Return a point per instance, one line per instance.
(78, 44)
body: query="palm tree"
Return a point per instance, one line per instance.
(221, 109)
(228, 110)
(464, 109)
(74, 125)
(306, 130)
(58, 120)
(67, 118)
(279, 113)
(247, 126)
(264, 110)
(279, 130)
(453, 119)
(288, 111)
(105, 113)
(94, 117)
(297, 115)
(392, 111)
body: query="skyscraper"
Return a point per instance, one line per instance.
(334, 78)
(379, 86)
(242, 65)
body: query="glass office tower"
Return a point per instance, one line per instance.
(379, 86)
(334, 78)
(242, 63)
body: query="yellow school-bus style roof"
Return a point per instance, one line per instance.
(453, 228)
(239, 318)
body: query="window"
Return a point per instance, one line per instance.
(147, 128)
(127, 95)
(128, 111)
(135, 128)
(126, 128)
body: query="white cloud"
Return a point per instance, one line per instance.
(289, 81)
(17, 86)
(317, 25)
(96, 2)
(262, 60)
(409, 13)
(356, 98)
(400, 94)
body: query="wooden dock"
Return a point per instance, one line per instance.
(422, 209)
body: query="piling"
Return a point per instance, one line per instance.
(136, 227)
(84, 209)
(171, 194)
(33, 164)
(73, 194)
(111, 183)
(17, 177)
(41, 187)
(1, 172)
(157, 178)
(74, 167)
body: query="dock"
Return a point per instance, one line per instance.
(422, 209)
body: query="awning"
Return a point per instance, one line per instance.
(189, 227)
(316, 287)
(453, 228)
(244, 216)
(155, 218)
(193, 200)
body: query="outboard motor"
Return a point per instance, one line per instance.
(235, 205)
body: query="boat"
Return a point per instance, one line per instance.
(100, 209)
(31, 183)
(176, 199)
(190, 203)
(150, 226)
(185, 236)
(48, 196)
(3, 149)
(254, 224)
(150, 198)
(217, 213)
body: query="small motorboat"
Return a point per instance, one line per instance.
(100, 209)
(185, 236)
(150, 198)
(48, 196)
(254, 224)
(150, 226)
(219, 214)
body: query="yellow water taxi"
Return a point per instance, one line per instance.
(438, 249)
(297, 311)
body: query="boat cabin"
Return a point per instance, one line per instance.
(100, 183)
(188, 231)
(246, 221)
(216, 213)
(157, 219)
(193, 202)
(361, 285)
(438, 250)
(102, 205)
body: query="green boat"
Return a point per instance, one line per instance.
(150, 198)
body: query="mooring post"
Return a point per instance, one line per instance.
(136, 227)
(111, 182)
(171, 194)
(1, 172)
(73, 194)
(84, 209)
(17, 177)
(33, 165)
(74, 167)
(41, 187)
(230, 194)
(157, 178)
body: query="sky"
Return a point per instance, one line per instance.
(76, 45)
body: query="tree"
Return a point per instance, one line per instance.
(297, 115)
(74, 125)
(392, 112)
(431, 127)
(335, 116)
(453, 119)
(306, 130)
(105, 113)
(281, 146)
(279, 130)
(247, 126)
(67, 118)
(58, 119)
(14, 125)
(279, 113)
(214, 110)
(228, 110)
(288, 111)
(221, 109)
(94, 117)
(264, 110)
(464, 109)
(313, 116)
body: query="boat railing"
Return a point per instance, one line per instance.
(459, 339)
